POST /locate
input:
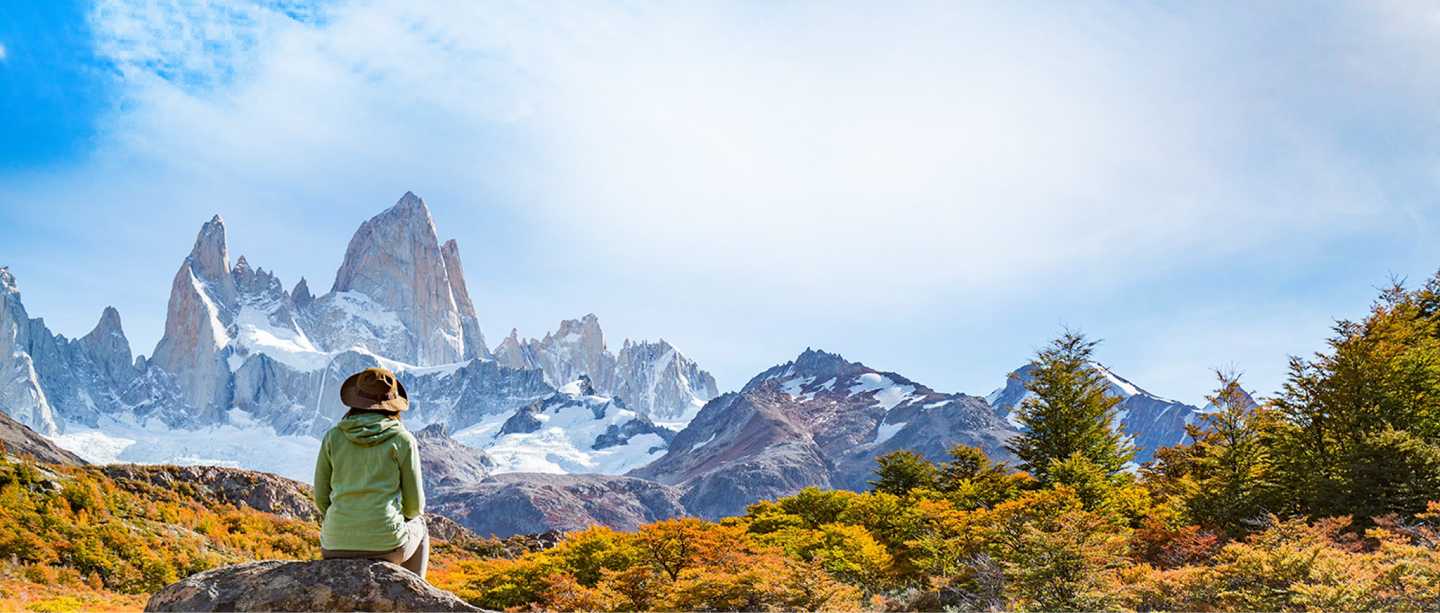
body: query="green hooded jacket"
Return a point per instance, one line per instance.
(367, 483)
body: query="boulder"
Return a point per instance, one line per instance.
(320, 585)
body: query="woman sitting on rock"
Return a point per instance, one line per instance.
(367, 478)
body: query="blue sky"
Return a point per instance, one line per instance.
(930, 188)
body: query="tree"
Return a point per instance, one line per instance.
(1070, 411)
(1374, 393)
(1230, 465)
(971, 481)
(899, 472)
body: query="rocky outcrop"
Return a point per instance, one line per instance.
(444, 462)
(816, 421)
(322, 585)
(19, 441)
(220, 485)
(527, 503)
(395, 260)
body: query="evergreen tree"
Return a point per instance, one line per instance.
(901, 471)
(1070, 412)
(1233, 478)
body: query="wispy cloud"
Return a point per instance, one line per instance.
(3, 54)
(825, 164)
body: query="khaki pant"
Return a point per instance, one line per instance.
(413, 553)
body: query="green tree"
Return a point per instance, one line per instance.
(898, 472)
(971, 481)
(1230, 466)
(1070, 411)
(1373, 394)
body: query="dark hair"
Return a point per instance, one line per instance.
(354, 411)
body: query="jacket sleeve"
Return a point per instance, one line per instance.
(322, 476)
(412, 488)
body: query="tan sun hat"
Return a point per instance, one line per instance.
(376, 389)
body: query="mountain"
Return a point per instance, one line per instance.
(818, 420)
(653, 378)
(1153, 421)
(444, 462)
(519, 503)
(244, 363)
(574, 430)
(47, 379)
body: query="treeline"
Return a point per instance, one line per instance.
(1322, 498)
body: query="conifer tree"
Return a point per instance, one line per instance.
(1070, 411)
(1234, 478)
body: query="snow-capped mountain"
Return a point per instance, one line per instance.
(47, 379)
(1153, 421)
(654, 379)
(242, 360)
(574, 430)
(818, 420)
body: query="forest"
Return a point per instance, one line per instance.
(1324, 497)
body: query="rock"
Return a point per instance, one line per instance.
(202, 305)
(653, 379)
(21, 395)
(321, 585)
(443, 528)
(475, 346)
(20, 441)
(396, 261)
(221, 485)
(659, 382)
(529, 503)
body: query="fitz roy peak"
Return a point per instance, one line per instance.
(241, 352)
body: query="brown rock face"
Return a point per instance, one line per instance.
(321, 585)
(395, 259)
(202, 300)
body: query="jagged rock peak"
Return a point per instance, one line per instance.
(301, 295)
(7, 281)
(395, 260)
(435, 430)
(475, 346)
(210, 257)
(109, 323)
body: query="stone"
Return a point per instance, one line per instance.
(320, 585)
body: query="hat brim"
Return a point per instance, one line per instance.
(350, 397)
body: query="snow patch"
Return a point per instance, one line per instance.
(886, 431)
(242, 443)
(887, 392)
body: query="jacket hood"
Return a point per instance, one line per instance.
(369, 429)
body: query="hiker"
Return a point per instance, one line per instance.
(367, 478)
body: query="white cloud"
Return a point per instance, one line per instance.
(790, 156)
(3, 54)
